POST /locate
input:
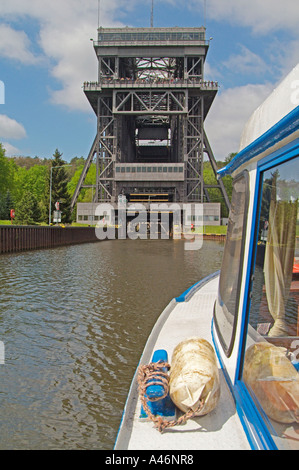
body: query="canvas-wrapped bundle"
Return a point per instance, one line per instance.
(274, 380)
(194, 378)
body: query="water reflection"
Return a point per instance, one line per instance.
(74, 322)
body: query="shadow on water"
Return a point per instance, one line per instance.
(74, 321)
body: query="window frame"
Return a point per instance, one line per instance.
(258, 428)
(278, 158)
(228, 348)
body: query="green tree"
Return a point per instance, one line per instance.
(33, 179)
(215, 195)
(59, 187)
(2, 208)
(6, 177)
(7, 206)
(86, 194)
(229, 157)
(27, 210)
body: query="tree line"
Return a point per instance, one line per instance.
(25, 186)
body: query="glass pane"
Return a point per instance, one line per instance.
(228, 300)
(271, 359)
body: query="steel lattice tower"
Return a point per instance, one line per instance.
(151, 101)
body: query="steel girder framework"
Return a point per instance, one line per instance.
(150, 102)
(106, 150)
(144, 85)
(193, 150)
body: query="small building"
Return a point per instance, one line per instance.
(93, 213)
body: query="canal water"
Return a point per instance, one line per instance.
(74, 321)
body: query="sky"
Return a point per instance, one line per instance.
(46, 54)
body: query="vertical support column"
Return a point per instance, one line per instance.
(193, 149)
(98, 153)
(106, 148)
(201, 152)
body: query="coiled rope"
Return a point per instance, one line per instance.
(156, 373)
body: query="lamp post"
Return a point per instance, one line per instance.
(50, 202)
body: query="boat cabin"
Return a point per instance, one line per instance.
(256, 315)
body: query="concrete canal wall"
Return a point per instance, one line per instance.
(208, 236)
(21, 238)
(214, 236)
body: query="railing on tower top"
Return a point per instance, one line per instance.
(156, 82)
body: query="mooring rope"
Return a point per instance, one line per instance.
(156, 373)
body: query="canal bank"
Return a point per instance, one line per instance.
(221, 237)
(14, 239)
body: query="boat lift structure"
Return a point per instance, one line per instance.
(151, 100)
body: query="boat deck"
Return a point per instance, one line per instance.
(221, 429)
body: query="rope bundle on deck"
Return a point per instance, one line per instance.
(156, 373)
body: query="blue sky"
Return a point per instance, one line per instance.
(46, 55)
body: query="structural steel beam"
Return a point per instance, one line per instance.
(150, 79)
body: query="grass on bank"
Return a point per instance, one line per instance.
(215, 229)
(207, 229)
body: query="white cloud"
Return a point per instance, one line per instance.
(262, 16)
(286, 55)
(65, 27)
(64, 38)
(74, 63)
(229, 113)
(11, 129)
(10, 150)
(247, 62)
(15, 45)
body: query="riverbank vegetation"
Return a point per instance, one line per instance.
(25, 186)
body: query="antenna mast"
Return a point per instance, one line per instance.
(152, 15)
(99, 12)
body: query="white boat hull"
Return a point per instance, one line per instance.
(220, 429)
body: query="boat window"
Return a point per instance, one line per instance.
(226, 306)
(270, 368)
